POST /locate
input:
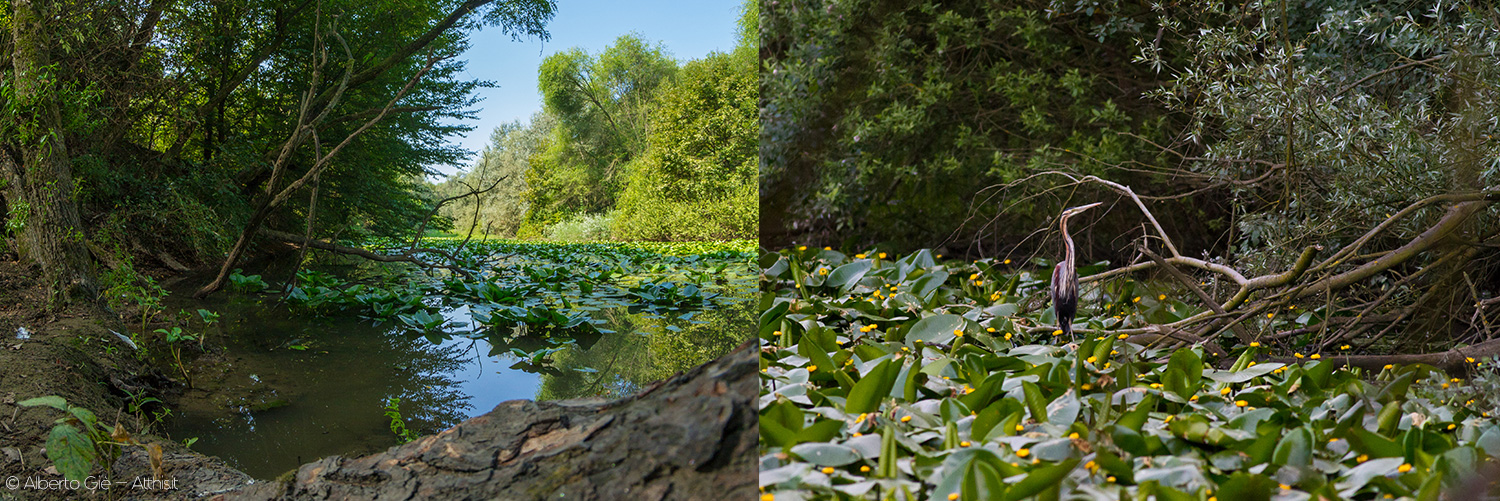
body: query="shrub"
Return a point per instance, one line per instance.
(582, 228)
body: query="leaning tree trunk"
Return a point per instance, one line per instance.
(39, 184)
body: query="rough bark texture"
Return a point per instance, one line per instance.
(691, 437)
(42, 180)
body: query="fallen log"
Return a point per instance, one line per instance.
(692, 436)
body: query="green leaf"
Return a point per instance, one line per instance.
(871, 388)
(1243, 375)
(1184, 373)
(1035, 403)
(824, 454)
(1040, 479)
(1063, 410)
(935, 329)
(925, 285)
(1247, 487)
(1295, 448)
(976, 474)
(71, 451)
(844, 277)
(52, 401)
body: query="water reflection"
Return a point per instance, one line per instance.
(292, 387)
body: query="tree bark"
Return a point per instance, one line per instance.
(40, 186)
(692, 436)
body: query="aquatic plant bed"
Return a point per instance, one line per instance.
(331, 364)
(908, 377)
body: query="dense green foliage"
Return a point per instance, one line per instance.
(538, 301)
(909, 377)
(888, 121)
(629, 146)
(920, 123)
(170, 118)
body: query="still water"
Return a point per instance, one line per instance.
(290, 388)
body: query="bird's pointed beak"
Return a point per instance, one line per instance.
(1082, 208)
(1075, 210)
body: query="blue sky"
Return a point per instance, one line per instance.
(688, 29)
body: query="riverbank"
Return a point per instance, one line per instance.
(697, 428)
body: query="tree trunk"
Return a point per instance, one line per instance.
(40, 186)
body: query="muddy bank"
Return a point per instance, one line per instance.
(73, 354)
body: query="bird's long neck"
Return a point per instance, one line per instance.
(1067, 243)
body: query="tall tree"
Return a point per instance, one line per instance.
(601, 104)
(38, 172)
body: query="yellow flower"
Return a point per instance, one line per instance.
(777, 333)
(1255, 344)
(1241, 403)
(1057, 332)
(1316, 356)
(963, 443)
(1073, 435)
(802, 247)
(1286, 487)
(1469, 359)
(1136, 300)
(1123, 336)
(1269, 315)
(1007, 336)
(857, 434)
(864, 469)
(1362, 458)
(989, 329)
(1020, 428)
(822, 271)
(827, 470)
(1298, 354)
(812, 368)
(1092, 359)
(953, 496)
(1405, 467)
(1445, 386)
(882, 255)
(968, 389)
(1086, 387)
(859, 256)
(1023, 452)
(906, 419)
(973, 276)
(1007, 261)
(767, 497)
(828, 248)
(958, 333)
(1110, 479)
(1161, 297)
(1344, 347)
(1451, 426)
(1193, 398)
(1389, 366)
(1225, 391)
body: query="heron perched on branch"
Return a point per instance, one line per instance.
(1065, 276)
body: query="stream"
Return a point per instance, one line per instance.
(290, 387)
